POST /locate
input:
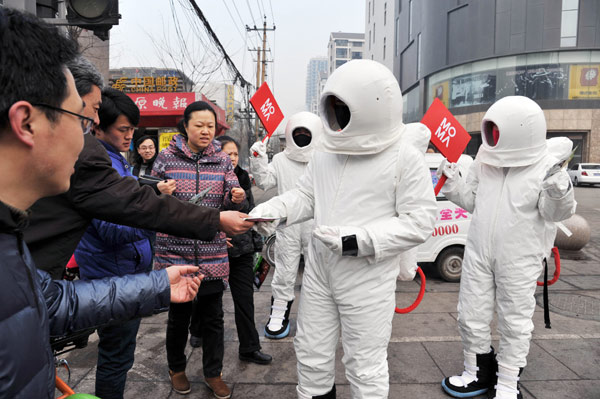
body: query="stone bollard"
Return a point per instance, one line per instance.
(570, 247)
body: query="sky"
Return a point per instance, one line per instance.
(146, 34)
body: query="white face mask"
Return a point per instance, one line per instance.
(309, 122)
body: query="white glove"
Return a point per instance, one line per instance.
(330, 236)
(345, 240)
(260, 148)
(447, 168)
(407, 262)
(557, 185)
(264, 210)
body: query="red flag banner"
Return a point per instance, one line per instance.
(447, 135)
(266, 108)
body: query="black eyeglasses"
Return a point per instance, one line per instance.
(86, 123)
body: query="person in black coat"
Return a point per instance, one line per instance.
(241, 274)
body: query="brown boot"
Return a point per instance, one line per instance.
(218, 387)
(179, 382)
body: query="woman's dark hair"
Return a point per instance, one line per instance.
(226, 139)
(187, 114)
(137, 158)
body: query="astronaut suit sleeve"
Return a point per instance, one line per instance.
(557, 198)
(416, 211)
(461, 186)
(263, 172)
(293, 206)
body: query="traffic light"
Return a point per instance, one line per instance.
(95, 15)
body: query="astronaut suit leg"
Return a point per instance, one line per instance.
(515, 195)
(370, 194)
(303, 133)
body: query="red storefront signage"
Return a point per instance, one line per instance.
(162, 103)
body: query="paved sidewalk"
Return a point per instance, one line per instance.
(564, 362)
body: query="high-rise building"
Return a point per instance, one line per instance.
(380, 29)
(344, 47)
(313, 73)
(470, 54)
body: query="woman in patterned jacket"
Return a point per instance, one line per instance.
(204, 175)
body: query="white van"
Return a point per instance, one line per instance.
(446, 245)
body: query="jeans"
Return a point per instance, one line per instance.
(116, 349)
(209, 310)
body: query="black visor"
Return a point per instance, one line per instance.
(338, 113)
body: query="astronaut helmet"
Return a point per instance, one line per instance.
(513, 133)
(303, 133)
(361, 109)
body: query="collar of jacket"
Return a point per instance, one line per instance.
(180, 146)
(113, 153)
(12, 219)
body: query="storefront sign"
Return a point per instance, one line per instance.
(147, 84)
(162, 103)
(584, 81)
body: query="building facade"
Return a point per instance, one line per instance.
(380, 30)
(469, 54)
(314, 69)
(344, 47)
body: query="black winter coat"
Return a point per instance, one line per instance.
(249, 241)
(34, 307)
(98, 191)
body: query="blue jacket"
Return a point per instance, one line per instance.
(108, 249)
(34, 307)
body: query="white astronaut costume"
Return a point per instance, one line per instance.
(371, 197)
(515, 202)
(284, 172)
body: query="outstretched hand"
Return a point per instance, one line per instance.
(184, 285)
(233, 223)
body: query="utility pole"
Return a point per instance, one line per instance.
(256, 126)
(264, 59)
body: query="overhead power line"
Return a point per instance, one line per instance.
(238, 75)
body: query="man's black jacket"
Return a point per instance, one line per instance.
(98, 192)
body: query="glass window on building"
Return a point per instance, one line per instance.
(410, 108)
(341, 53)
(568, 23)
(410, 19)
(571, 75)
(341, 42)
(357, 44)
(356, 55)
(339, 63)
(384, 13)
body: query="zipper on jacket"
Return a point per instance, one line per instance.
(493, 225)
(197, 190)
(20, 242)
(337, 190)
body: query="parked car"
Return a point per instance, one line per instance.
(446, 246)
(585, 173)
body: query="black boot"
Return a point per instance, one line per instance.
(477, 379)
(280, 311)
(328, 395)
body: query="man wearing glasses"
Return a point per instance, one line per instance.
(41, 126)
